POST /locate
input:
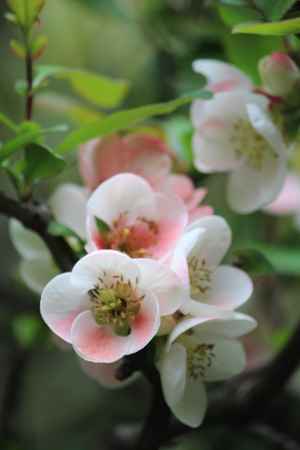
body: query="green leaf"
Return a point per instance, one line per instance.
(8, 122)
(252, 261)
(124, 119)
(26, 11)
(102, 226)
(274, 9)
(58, 229)
(234, 15)
(28, 133)
(26, 329)
(18, 48)
(284, 260)
(235, 2)
(41, 163)
(282, 28)
(38, 46)
(98, 89)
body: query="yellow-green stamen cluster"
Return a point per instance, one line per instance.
(199, 359)
(200, 276)
(246, 141)
(116, 305)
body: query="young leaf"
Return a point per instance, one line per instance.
(18, 143)
(18, 48)
(26, 329)
(58, 229)
(41, 163)
(124, 119)
(26, 11)
(98, 89)
(38, 46)
(101, 226)
(282, 28)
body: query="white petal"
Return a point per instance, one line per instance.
(213, 245)
(229, 359)
(219, 72)
(173, 373)
(92, 267)
(229, 326)
(288, 201)
(230, 288)
(191, 322)
(118, 195)
(27, 243)
(191, 409)
(61, 302)
(264, 126)
(163, 283)
(145, 326)
(36, 273)
(196, 308)
(250, 189)
(68, 204)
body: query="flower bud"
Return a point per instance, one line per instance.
(279, 74)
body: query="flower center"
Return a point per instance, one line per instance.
(246, 141)
(200, 276)
(115, 305)
(135, 240)
(199, 359)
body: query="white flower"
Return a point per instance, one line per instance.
(110, 304)
(200, 351)
(68, 204)
(213, 287)
(234, 133)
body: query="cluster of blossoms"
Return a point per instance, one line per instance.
(153, 271)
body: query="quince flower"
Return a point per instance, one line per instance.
(234, 133)
(110, 304)
(105, 374)
(199, 351)
(138, 221)
(37, 266)
(141, 154)
(197, 258)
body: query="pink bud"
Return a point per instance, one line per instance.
(279, 73)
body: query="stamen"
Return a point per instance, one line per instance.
(246, 141)
(116, 304)
(200, 276)
(199, 359)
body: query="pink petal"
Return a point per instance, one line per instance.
(145, 326)
(96, 343)
(140, 154)
(288, 201)
(105, 374)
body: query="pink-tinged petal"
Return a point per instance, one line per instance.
(230, 288)
(288, 201)
(141, 154)
(145, 326)
(171, 217)
(179, 185)
(222, 76)
(196, 198)
(105, 374)
(164, 284)
(61, 302)
(92, 267)
(202, 211)
(229, 325)
(96, 343)
(117, 196)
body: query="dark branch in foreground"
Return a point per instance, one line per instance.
(36, 218)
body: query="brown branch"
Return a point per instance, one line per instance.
(36, 218)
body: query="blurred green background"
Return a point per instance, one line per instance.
(151, 43)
